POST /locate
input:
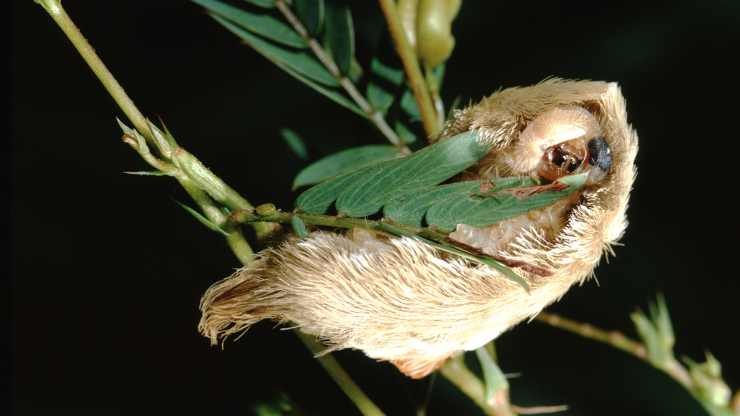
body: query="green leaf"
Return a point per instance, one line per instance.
(265, 4)
(295, 142)
(409, 106)
(340, 35)
(333, 94)
(383, 85)
(479, 211)
(311, 14)
(404, 132)
(656, 353)
(342, 162)
(493, 263)
(299, 62)
(146, 173)
(365, 191)
(261, 24)
(410, 209)
(494, 378)
(299, 227)
(662, 321)
(202, 219)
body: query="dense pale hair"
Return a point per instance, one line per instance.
(400, 300)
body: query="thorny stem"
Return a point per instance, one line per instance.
(199, 182)
(411, 67)
(337, 373)
(375, 116)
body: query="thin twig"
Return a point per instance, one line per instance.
(250, 216)
(614, 338)
(411, 67)
(539, 410)
(433, 85)
(375, 116)
(619, 341)
(57, 12)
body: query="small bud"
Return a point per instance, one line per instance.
(265, 209)
(434, 30)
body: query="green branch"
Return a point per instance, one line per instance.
(375, 116)
(57, 12)
(411, 66)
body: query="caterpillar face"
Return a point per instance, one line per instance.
(403, 301)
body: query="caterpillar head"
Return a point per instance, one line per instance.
(547, 131)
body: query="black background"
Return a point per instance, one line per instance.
(107, 270)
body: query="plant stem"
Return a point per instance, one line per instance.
(433, 85)
(56, 11)
(411, 67)
(614, 338)
(235, 239)
(249, 216)
(619, 341)
(343, 380)
(375, 116)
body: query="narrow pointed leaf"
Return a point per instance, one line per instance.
(384, 83)
(333, 94)
(340, 35)
(506, 271)
(662, 320)
(202, 219)
(261, 24)
(405, 132)
(146, 173)
(410, 209)
(480, 211)
(409, 106)
(311, 14)
(427, 167)
(295, 143)
(299, 227)
(656, 353)
(344, 161)
(494, 378)
(265, 4)
(299, 62)
(364, 192)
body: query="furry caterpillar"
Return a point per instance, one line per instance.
(400, 300)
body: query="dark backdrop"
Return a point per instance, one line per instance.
(107, 270)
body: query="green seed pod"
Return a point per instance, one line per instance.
(434, 40)
(265, 210)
